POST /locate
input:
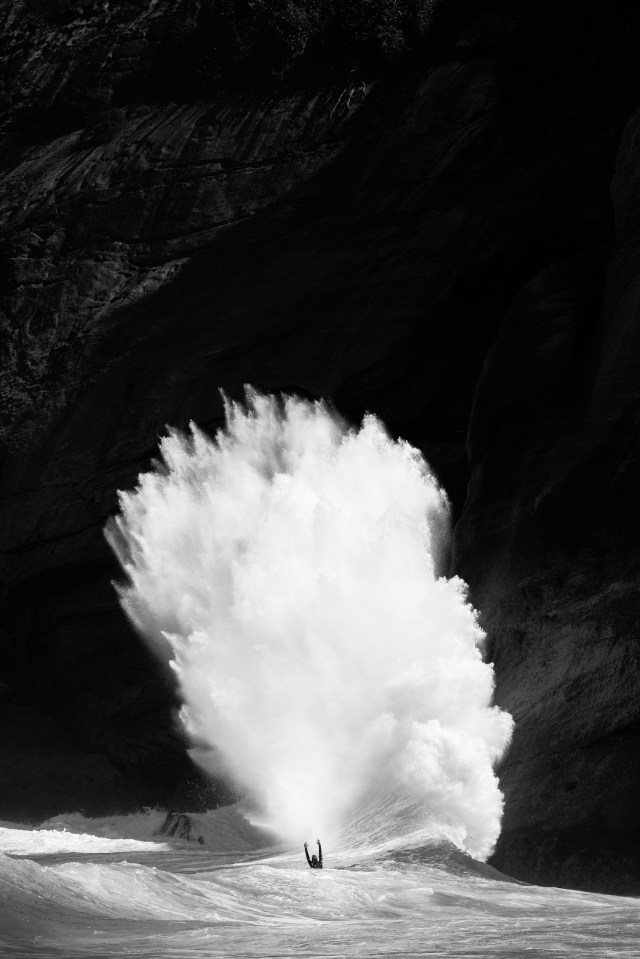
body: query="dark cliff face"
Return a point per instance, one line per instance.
(444, 234)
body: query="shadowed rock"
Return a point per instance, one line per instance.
(180, 826)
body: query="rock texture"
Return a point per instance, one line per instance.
(180, 826)
(447, 240)
(548, 539)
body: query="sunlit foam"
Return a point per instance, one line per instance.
(288, 569)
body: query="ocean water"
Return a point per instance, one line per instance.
(292, 571)
(110, 888)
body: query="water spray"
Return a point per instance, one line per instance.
(289, 571)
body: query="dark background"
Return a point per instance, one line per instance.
(429, 211)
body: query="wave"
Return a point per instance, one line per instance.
(378, 895)
(74, 881)
(290, 571)
(230, 836)
(384, 824)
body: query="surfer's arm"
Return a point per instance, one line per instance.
(306, 852)
(319, 851)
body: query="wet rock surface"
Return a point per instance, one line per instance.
(451, 243)
(180, 826)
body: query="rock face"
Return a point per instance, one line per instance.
(434, 241)
(180, 826)
(548, 541)
(43, 772)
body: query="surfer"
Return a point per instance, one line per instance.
(316, 861)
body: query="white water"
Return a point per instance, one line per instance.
(288, 570)
(73, 892)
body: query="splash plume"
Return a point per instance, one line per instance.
(288, 569)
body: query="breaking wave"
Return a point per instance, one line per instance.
(289, 570)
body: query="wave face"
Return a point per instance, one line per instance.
(289, 571)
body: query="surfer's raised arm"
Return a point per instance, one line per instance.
(314, 862)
